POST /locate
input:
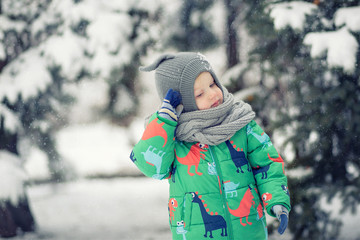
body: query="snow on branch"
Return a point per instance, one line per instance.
(25, 76)
(11, 121)
(292, 14)
(339, 47)
(66, 51)
(350, 17)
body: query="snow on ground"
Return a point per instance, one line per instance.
(122, 208)
(119, 208)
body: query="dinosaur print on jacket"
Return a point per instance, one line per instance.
(212, 222)
(154, 159)
(244, 207)
(155, 129)
(260, 209)
(260, 212)
(285, 189)
(132, 156)
(230, 188)
(172, 174)
(266, 197)
(238, 157)
(193, 157)
(171, 207)
(212, 171)
(263, 138)
(262, 170)
(278, 159)
(180, 229)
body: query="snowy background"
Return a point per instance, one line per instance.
(96, 203)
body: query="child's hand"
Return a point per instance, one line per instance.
(171, 101)
(282, 215)
(173, 97)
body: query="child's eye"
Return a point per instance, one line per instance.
(213, 84)
(199, 95)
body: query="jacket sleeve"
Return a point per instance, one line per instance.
(154, 153)
(268, 168)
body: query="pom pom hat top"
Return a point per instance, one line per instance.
(179, 71)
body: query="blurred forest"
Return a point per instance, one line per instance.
(310, 100)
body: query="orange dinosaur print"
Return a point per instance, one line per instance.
(171, 206)
(244, 207)
(266, 197)
(260, 211)
(278, 159)
(193, 157)
(155, 129)
(259, 208)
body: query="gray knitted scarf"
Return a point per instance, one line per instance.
(216, 125)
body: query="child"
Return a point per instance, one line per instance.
(222, 168)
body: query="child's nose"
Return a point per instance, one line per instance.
(212, 94)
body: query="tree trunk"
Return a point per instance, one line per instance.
(232, 11)
(14, 217)
(7, 224)
(15, 214)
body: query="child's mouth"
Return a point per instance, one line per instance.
(217, 103)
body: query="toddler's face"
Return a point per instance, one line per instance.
(207, 93)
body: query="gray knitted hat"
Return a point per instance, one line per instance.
(179, 71)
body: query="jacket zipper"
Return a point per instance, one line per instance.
(227, 214)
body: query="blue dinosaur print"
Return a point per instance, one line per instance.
(173, 170)
(262, 170)
(238, 158)
(211, 222)
(285, 189)
(132, 156)
(230, 188)
(264, 139)
(154, 159)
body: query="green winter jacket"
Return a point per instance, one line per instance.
(215, 191)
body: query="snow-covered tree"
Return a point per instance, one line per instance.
(48, 48)
(308, 54)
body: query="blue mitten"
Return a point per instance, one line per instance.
(171, 101)
(282, 215)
